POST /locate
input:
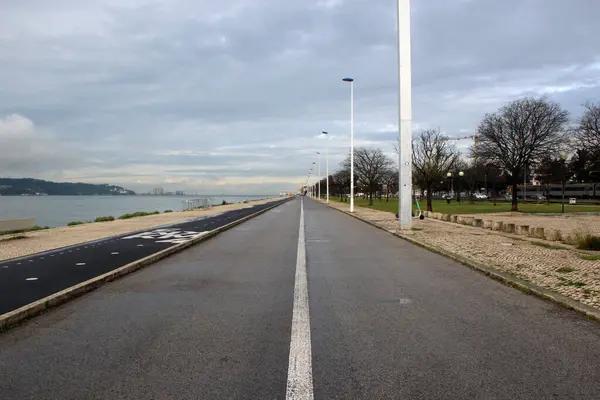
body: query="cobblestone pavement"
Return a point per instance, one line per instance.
(561, 269)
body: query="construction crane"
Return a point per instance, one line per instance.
(474, 137)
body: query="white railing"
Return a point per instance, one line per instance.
(193, 204)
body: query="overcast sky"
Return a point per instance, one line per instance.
(230, 96)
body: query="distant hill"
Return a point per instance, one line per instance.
(33, 187)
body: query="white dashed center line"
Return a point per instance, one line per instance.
(80, 264)
(31, 279)
(299, 381)
(140, 245)
(114, 253)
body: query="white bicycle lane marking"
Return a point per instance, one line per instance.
(167, 235)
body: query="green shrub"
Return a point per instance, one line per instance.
(168, 211)
(565, 270)
(549, 246)
(32, 229)
(138, 214)
(586, 241)
(224, 203)
(16, 237)
(73, 223)
(105, 219)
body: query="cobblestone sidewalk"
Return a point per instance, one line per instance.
(559, 268)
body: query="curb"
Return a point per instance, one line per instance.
(28, 311)
(507, 279)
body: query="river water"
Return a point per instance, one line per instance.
(59, 210)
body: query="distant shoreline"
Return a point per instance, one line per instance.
(139, 195)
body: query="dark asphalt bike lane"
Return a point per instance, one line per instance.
(28, 279)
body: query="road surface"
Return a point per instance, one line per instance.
(382, 319)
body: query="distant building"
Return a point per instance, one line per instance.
(158, 191)
(179, 193)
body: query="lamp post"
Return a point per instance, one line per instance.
(563, 157)
(450, 185)
(404, 116)
(351, 81)
(485, 183)
(525, 183)
(310, 175)
(319, 174)
(460, 176)
(314, 186)
(327, 166)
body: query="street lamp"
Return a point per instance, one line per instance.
(460, 176)
(309, 176)
(351, 81)
(563, 157)
(450, 184)
(404, 116)
(319, 172)
(327, 166)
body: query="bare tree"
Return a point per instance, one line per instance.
(520, 134)
(370, 166)
(390, 180)
(341, 179)
(433, 157)
(588, 128)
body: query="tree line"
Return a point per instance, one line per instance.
(524, 138)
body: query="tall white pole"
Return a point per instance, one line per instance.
(327, 172)
(352, 146)
(405, 115)
(319, 172)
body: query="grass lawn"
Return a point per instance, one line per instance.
(478, 207)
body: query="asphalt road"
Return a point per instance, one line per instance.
(388, 320)
(27, 279)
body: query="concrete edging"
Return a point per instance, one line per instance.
(503, 277)
(28, 311)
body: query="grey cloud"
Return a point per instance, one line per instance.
(25, 150)
(124, 82)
